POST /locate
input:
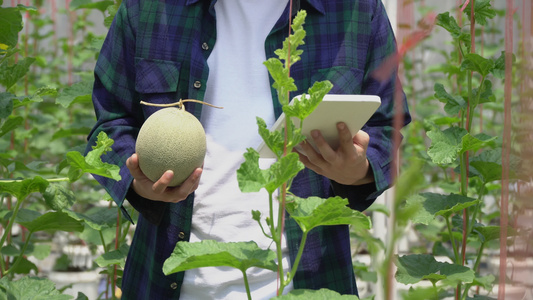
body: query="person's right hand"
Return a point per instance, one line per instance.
(159, 190)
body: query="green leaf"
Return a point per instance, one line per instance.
(252, 178)
(476, 63)
(302, 107)
(314, 211)
(21, 189)
(78, 92)
(489, 233)
(445, 145)
(487, 165)
(273, 139)
(92, 162)
(322, 294)
(37, 97)
(10, 74)
(431, 205)
(477, 142)
(30, 288)
(295, 39)
(209, 253)
(99, 219)
(482, 11)
(38, 251)
(484, 281)
(115, 257)
(89, 4)
(56, 221)
(58, 196)
(24, 266)
(10, 26)
(486, 95)
(6, 104)
(453, 104)
(417, 267)
(449, 23)
(282, 81)
(11, 123)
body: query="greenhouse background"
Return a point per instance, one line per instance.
(464, 167)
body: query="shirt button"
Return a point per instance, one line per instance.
(205, 46)
(197, 84)
(181, 235)
(174, 285)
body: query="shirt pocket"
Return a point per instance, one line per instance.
(157, 80)
(345, 79)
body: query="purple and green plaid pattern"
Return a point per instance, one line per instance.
(156, 51)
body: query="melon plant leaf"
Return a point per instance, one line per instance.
(417, 267)
(445, 145)
(6, 104)
(57, 221)
(11, 123)
(482, 11)
(484, 281)
(89, 4)
(296, 39)
(23, 266)
(252, 179)
(58, 196)
(477, 63)
(92, 162)
(486, 93)
(302, 107)
(10, 26)
(209, 253)
(322, 294)
(431, 205)
(487, 171)
(36, 97)
(453, 104)
(449, 23)
(10, 74)
(499, 65)
(21, 189)
(101, 218)
(29, 288)
(78, 92)
(273, 139)
(115, 257)
(489, 233)
(282, 81)
(314, 211)
(477, 142)
(39, 251)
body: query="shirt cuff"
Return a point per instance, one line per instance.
(151, 210)
(360, 197)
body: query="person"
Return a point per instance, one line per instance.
(162, 51)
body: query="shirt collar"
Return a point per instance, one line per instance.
(316, 4)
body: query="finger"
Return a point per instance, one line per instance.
(326, 152)
(345, 138)
(160, 185)
(362, 139)
(308, 164)
(133, 165)
(187, 187)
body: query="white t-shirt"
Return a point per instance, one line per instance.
(239, 82)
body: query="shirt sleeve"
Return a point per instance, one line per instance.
(380, 126)
(116, 103)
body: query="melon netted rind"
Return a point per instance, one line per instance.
(171, 139)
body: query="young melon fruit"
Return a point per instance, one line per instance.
(171, 139)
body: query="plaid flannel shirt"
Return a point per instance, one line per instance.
(157, 51)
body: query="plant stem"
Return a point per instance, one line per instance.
(295, 264)
(476, 267)
(8, 229)
(452, 239)
(103, 240)
(19, 258)
(246, 284)
(477, 208)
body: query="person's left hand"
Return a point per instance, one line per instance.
(347, 165)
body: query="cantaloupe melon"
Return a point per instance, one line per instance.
(171, 139)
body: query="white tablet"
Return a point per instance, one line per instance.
(354, 110)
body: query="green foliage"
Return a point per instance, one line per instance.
(323, 294)
(209, 253)
(28, 288)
